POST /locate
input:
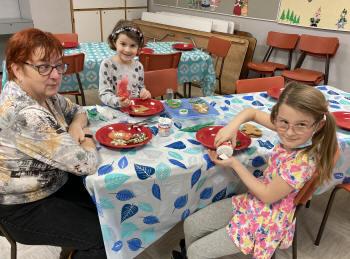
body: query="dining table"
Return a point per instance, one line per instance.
(195, 65)
(141, 193)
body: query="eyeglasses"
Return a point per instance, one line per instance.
(299, 128)
(46, 69)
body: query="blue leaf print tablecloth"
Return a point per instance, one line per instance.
(194, 65)
(141, 193)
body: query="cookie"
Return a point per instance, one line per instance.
(251, 130)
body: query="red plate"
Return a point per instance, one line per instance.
(154, 107)
(183, 46)
(102, 134)
(70, 44)
(275, 92)
(207, 135)
(342, 119)
(147, 51)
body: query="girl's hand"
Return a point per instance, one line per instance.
(125, 102)
(225, 134)
(230, 162)
(145, 94)
(76, 132)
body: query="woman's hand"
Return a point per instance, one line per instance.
(225, 134)
(76, 131)
(145, 94)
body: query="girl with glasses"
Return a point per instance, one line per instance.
(259, 221)
(45, 148)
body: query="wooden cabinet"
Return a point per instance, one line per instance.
(240, 53)
(94, 20)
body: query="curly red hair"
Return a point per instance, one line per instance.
(21, 46)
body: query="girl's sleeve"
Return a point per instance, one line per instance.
(39, 136)
(297, 171)
(105, 86)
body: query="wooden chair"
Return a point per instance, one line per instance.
(218, 49)
(346, 187)
(258, 84)
(159, 61)
(66, 37)
(303, 198)
(4, 233)
(158, 81)
(276, 41)
(316, 46)
(75, 65)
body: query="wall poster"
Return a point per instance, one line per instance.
(323, 14)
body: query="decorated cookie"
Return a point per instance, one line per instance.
(251, 130)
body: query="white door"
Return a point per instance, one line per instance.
(132, 14)
(109, 20)
(83, 4)
(135, 3)
(87, 25)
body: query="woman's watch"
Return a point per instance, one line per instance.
(88, 136)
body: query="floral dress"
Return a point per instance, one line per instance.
(258, 228)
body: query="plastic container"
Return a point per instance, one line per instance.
(225, 150)
(164, 126)
(169, 94)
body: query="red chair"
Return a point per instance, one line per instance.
(158, 81)
(68, 40)
(218, 49)
(275, 41)
(344, 186)
(258, 84)
(316, 46)
(303, 197)
(75, 65)
(159, 61)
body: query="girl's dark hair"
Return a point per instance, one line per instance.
(310, 100)
(129, 29)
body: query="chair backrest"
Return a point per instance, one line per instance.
(258, 84)
(159, 61)
(282, 40)
(158, 81)
(66, 37)
(317, 45)
(75, 63)
(219, 47)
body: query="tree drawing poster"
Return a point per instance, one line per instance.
(323, 14)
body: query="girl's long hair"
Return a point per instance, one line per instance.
(310, 100)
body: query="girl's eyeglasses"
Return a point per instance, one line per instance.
(299, 128)
(46, 69)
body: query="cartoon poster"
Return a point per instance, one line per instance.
(322, 14)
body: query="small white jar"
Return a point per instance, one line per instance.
(164, 126)
(225, 150)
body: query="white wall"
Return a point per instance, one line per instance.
(339, 69)
(51, 15)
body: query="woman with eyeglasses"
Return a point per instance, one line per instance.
(259, 221)
(45, 148)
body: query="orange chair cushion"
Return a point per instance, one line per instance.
(304, 75)
(266, 66)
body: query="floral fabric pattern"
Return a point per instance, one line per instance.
(258, 228)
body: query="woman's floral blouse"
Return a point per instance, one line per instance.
(36, 151)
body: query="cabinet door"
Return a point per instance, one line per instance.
(83, 4)
(109, 20)
(132, 14)
(87, 25)
(135, 3)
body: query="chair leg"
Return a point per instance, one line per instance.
(189, 89)
(325, 216)
(13, 250)
(308, 203)
(220, 86)
(185, 86)
(76, 99)
(81, 90)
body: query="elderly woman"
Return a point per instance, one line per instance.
(44, 149)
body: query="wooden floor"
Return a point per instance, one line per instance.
(335, 243)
